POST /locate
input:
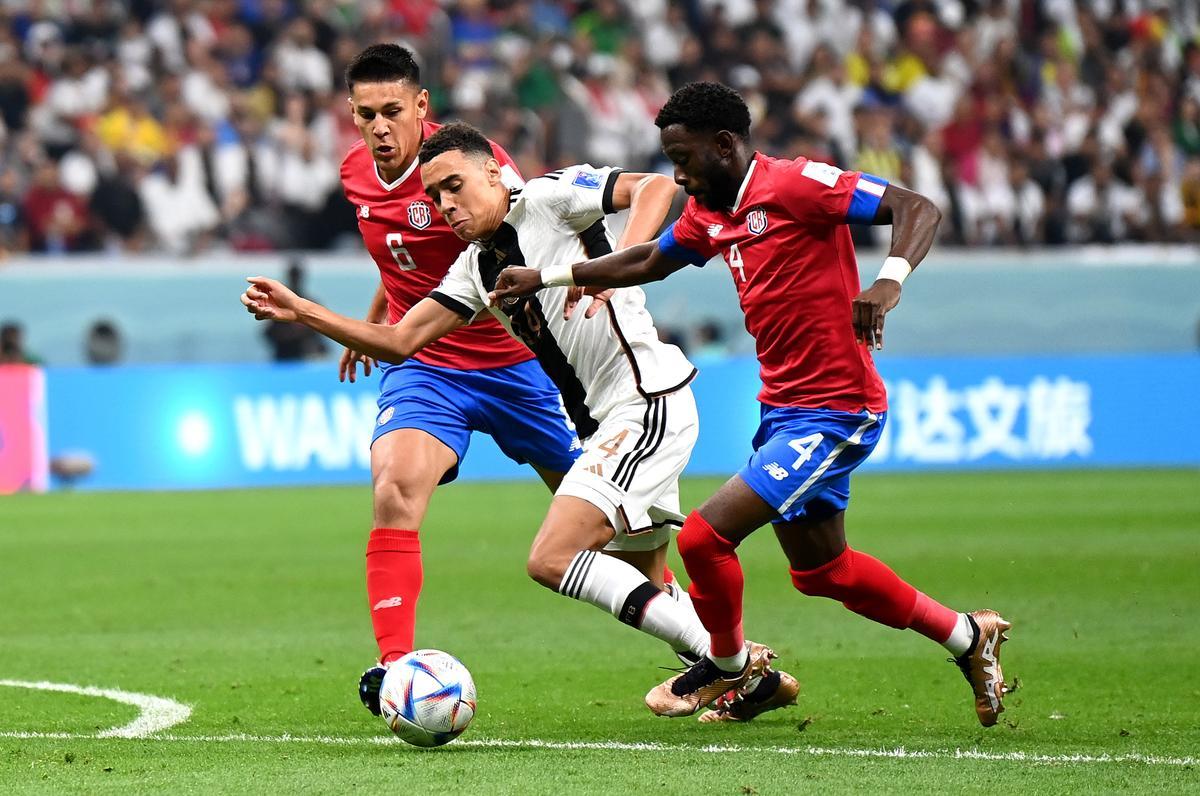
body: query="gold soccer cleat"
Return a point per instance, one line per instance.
(981, 664)
(774, 690)
(699, 686)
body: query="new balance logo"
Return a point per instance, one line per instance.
(715, 229)
(776, 471)
(390, 602)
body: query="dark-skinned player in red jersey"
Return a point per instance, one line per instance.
(781, 227)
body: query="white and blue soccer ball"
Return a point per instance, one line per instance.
(427, 697)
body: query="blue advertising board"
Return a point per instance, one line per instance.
(183, 427)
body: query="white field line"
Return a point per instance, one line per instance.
(897, 753)
(155, 713)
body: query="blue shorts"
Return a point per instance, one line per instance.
(518, 406)
(803, 458)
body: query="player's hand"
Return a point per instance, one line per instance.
(868, 309)
(514, 282)
(348, 365)
(269, 300)
(600, 297)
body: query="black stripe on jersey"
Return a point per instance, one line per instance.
(529, 323)
(609, 186)
(453, 304)
(551, 175)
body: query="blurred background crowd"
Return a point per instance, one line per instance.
(191, 125)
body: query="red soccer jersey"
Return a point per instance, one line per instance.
(792, 260)
(414, 247)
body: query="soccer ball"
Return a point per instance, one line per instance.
(427, 697)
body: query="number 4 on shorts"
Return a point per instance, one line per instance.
(805, 447)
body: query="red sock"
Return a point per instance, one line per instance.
(712, 564)
(863, 584)
(394, 577)
(668, 575)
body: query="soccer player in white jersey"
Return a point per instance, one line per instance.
(626, 392)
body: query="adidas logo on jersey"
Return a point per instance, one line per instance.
(715, 229)
(390, 602)
(597, 469)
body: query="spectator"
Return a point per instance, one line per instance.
(179, 210)
(12, 346)
(103, 345)
(57, 220)
(291, 342)
(710, 340)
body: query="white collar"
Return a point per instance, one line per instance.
(391, 186)
(742, 191)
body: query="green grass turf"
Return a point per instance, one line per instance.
(249, 606)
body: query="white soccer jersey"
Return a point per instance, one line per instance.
(598, 363)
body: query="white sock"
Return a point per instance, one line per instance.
(961, 637)
(734, 663)
(697, 635)
(617, 587)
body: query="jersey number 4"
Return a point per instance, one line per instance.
(734, 258)
(395, 244)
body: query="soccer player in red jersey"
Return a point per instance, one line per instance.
(476, 379)
(781, 227)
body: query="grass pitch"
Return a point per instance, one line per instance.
(250, 608)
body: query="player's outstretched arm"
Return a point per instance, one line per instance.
(268, 299)
(636, 265)
(914, 221)
(348, 363)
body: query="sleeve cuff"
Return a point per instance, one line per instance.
(453, 304)
(610, 186)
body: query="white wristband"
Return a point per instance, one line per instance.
(558, 276)
(895, 268)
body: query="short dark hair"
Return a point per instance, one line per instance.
(383, 63)
(456, 135)
(706, 107)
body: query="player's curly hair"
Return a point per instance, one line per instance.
(706, 107)
(383, 63)
(456, 135)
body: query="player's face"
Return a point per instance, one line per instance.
(389, 117)
(467, 191)
(703, 165)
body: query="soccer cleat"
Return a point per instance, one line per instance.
(368, 688)
(774, 690)
(684, 694)
(980, 664)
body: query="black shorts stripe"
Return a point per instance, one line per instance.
(659, 436)
(641, 440)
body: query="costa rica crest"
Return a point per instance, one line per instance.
(419, 215)
(756, 221)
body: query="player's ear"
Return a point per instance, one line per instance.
(422, 103)
(725, 143)
(492, 167)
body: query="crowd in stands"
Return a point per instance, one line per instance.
(182, 126)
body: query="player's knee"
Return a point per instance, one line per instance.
(547, 566)
(697, 539)
(398, 504)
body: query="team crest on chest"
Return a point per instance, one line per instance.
(756, 221)
(419, 215)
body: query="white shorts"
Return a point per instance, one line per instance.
(630, 468)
